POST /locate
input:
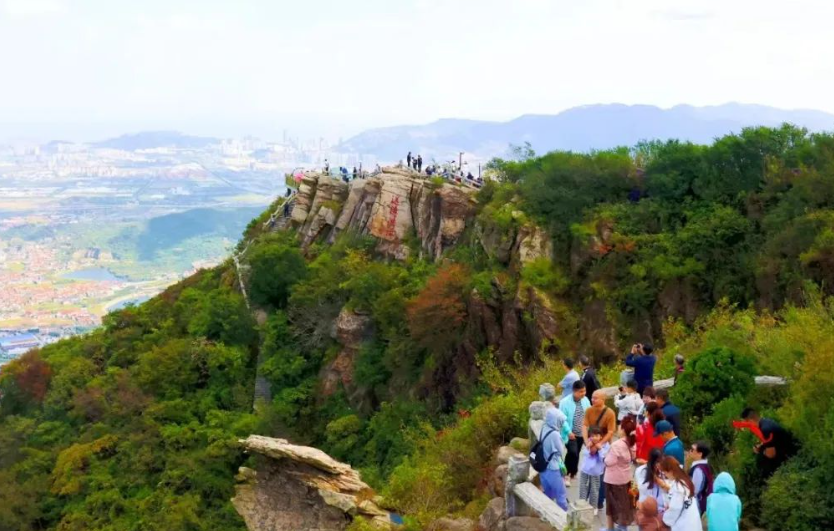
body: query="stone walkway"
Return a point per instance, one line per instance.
(573, 494)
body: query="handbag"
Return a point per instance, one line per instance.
(633, 493)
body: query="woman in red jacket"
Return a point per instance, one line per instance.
(646, 439)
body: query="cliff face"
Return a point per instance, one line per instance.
(392, 206)
(398, 208)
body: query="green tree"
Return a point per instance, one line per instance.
(276, 266)
(711, 376)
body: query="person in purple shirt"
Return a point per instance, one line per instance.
(642, 358)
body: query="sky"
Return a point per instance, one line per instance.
(86, 69)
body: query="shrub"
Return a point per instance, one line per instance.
(711, 376)
(542, 274)
(799, 497)
(717, 427)
(437, 314)
(276, 266)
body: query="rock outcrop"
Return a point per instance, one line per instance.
(391, 206)
(350, 330)
(524, 322)
(299, 487)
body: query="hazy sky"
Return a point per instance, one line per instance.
(81, 68)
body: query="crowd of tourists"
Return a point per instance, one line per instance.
(632, 462)
(446, 171)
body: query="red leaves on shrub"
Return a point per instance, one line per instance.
(31, 375)
(437, 314)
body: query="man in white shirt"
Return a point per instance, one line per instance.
(701, 473)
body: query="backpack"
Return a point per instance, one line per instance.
(707, 489)
(537, 458)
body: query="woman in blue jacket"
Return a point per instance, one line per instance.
(723, 506)
(553, 482)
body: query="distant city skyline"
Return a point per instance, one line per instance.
(92, 69)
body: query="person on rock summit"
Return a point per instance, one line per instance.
(408, 159)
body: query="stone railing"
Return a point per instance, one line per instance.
(670, 382)
(523, 498)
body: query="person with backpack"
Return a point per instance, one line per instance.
(723, 506)
(681, 507)
(589, 376)
(701, 473)
(546, 458)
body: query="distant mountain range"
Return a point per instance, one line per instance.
(577, 129)
(156, 139)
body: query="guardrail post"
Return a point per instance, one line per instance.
(518, 469)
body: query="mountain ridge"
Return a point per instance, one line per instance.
(583, 128)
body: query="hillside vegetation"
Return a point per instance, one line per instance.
(720, 252)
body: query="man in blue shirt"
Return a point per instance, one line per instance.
(643, 360)
(673, 446)
(570, 376)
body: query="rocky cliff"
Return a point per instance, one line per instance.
(298, 487)
(393, 206)
(407, 213)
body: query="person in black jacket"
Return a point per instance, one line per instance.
(589, 376)
(670, 410)
(778, 446)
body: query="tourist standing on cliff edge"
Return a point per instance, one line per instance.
(408, 159)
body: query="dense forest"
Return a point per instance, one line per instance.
(723, 253)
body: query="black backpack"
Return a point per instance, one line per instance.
(537, 459)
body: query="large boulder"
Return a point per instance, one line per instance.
(497, 480)
(493, 516)
(533, 243)
(502, 456)
(326, 473)
(299, 487)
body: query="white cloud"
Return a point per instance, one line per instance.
(33, 8)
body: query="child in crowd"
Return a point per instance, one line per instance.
(593, 466)
(648, 518)
(629, 403)
(648, 398)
